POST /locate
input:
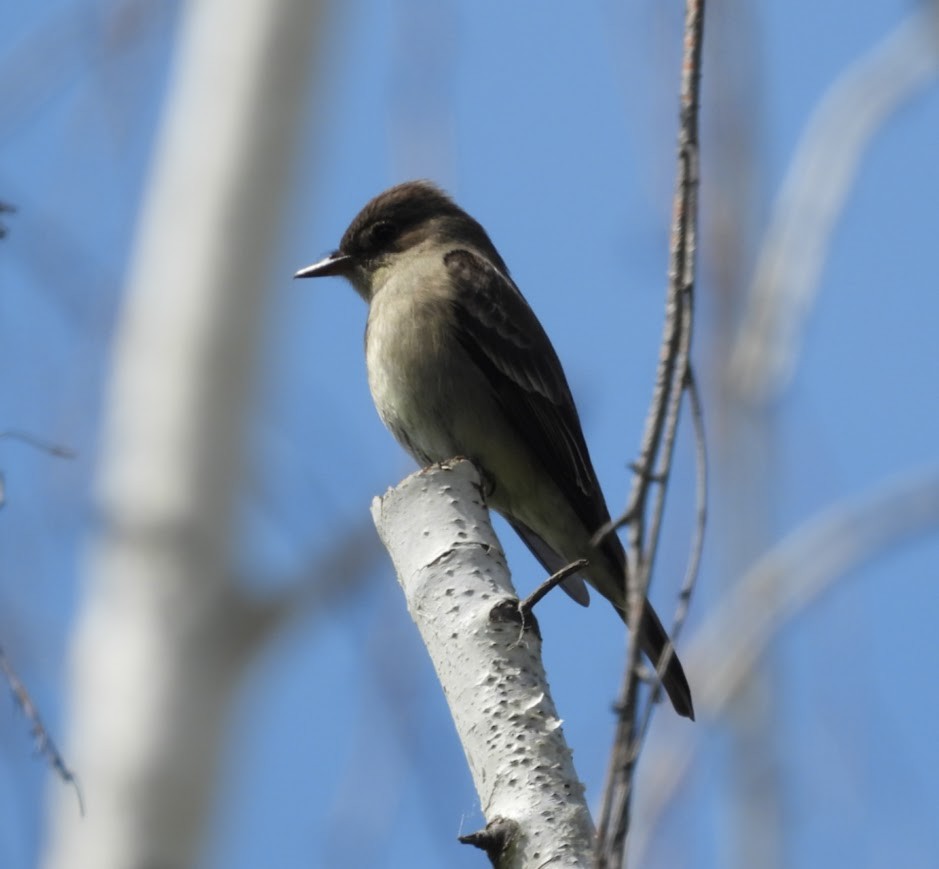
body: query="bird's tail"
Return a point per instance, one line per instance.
(653, 640)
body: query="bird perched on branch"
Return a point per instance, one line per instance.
(459, 365)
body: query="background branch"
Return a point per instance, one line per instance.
(820, 177)
(723, 653)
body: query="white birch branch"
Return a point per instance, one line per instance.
(453, 572)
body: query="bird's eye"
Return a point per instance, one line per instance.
(381, 233)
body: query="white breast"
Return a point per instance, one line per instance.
(405, 353)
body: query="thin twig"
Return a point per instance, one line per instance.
(697, 547)
(33, 441)
(39, 443)
(669, 436)
(526, 606)
(701, 502)
(44, 744)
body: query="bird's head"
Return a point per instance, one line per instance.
(394, 224)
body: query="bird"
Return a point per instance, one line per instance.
(459, 365)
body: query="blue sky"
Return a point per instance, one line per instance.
(554, 125)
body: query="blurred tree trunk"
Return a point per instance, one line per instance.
(162, 634)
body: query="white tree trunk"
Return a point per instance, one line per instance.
(454, 576)
(159, 645)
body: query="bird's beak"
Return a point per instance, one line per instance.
(335, 264)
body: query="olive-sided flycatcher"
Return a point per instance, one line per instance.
(459, 365)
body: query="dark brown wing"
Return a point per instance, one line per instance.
(504, 338)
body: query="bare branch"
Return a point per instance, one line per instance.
(33, 441)
(654, 466)
(694, 559)
(44, 744)
(53, 449)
